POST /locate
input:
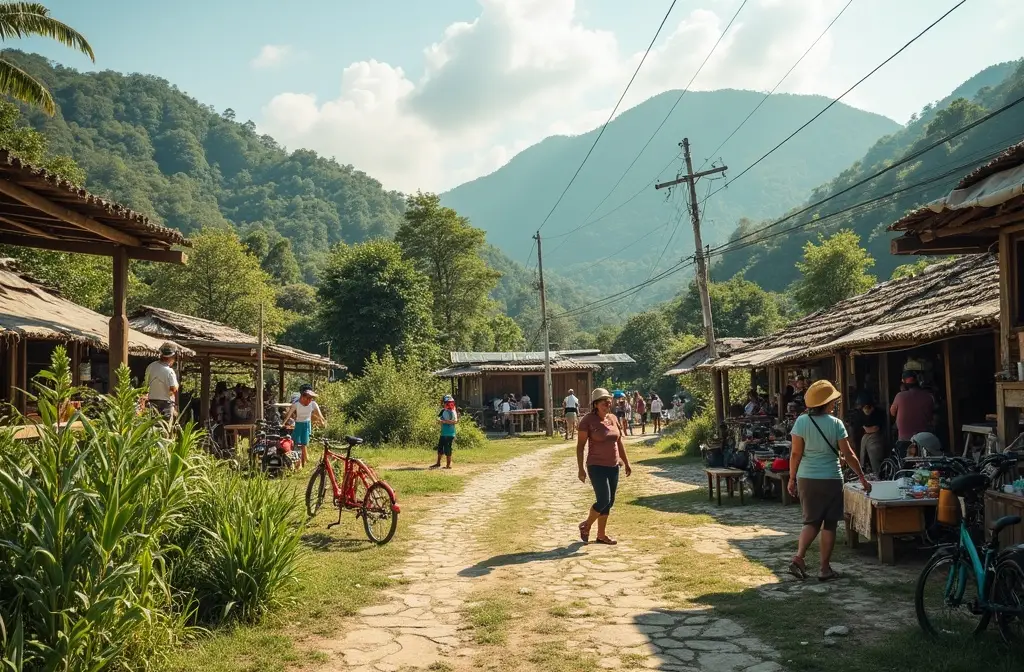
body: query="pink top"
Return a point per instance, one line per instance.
(602, 437)
(914, 410)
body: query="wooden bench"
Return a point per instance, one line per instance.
(783, 478)
(733, 479)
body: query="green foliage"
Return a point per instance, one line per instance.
(833, 270)
(445, 248)
(499, 333)
(700, 429)
(24, 19)
(82, 517)
(911, 270)
(221, 282)
(741, 310)
(377, 301)
(645, 337)
(398, 403)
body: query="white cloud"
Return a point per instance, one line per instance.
(272, 56)
(525, 69)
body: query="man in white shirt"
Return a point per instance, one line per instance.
(163, 382)
(506, 413)
(572, 410)
(656, 408)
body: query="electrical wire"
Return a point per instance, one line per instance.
(657, 130)
(777, 84)
(843, 95)
(610, 116)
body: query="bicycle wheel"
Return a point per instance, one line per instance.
(380, 520)
(316, 490)
(1007, 590)
(887, 470)
(948, 586)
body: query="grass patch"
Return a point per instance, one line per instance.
(574, 609)
(341, 572)
(557, 657)
(633, 660)
(490, 616)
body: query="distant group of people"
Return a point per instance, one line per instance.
(629, 411)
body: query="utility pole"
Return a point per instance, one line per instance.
(549, 420)
(702, 268)
(259, 369)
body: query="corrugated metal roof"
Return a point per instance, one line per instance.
(590, 355)
(699, 355)
(467, 370)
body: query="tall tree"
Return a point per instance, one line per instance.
(447, 249)
(24, 19)
(221, 282)
(645, 338)
(834, 269)
(376, 300)
(741, 309)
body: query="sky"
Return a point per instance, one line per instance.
(428, 94)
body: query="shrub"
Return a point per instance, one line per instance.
(239, 548)
(81, 519)
(688, 439)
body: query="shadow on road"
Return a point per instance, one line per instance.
(484, 567)
(323, 542)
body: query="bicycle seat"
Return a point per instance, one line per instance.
(961, 485)
(1002, 523)
(353, 440)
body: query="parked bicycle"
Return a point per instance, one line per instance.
(969, 582)
(360, 489)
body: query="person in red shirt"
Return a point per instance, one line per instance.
(913, 408)
(601, 439)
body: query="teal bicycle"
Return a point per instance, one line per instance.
(965, 584)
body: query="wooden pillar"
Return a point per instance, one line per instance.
(75, 353)
(12, 371)
(281, 389)
(119, 321)
(22, 369)
(840, 385)
(1007, 263)
(204, 391)
(725, 393)
(950, 412)
(883, 390)
(716, 396)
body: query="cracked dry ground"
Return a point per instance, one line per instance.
(603, 606)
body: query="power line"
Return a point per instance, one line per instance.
(836, 100)
(656, 131)
(610, 116)
(778, 84)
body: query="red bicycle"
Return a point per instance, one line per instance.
(372, 499)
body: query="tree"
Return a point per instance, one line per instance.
(500, 333)
(446, 249)
(376, 301)
(23, 19)
(740, 307)
(833, 270)
(221, 282)
(280, 262)
(645, 338)
(915, 268)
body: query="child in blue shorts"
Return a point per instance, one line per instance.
(448, 417)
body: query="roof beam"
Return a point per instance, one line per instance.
(98, 249)
(28, 228)
(965, 245)
(23, 195)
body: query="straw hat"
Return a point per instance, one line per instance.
(820, 393)
(599, 394)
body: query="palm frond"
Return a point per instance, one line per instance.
(20, 85)
(21, 19)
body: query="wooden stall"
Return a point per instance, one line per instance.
(218, 345)
(41, 210)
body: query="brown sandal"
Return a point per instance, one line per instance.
(584, 533)
(608, 541)
(798, 568)
(831, 575)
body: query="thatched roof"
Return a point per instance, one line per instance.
(62, 193)
(699, 355)
(950, 297)
(218, 341)
(27, 310)
(968, 217)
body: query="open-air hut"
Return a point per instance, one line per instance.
(478, 377)
(217, 344)
(33, 320)
(984, 213)
(41, 210)
(942, 318)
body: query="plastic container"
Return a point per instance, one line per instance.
(948, 510)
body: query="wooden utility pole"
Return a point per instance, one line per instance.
(549, 411)
(259, 369)
(702, 268)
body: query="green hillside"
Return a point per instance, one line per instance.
(770, 263)
(511, 202)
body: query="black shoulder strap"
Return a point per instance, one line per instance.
(834, 449)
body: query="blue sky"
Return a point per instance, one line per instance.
(430, 93)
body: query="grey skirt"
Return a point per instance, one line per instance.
(821, 499)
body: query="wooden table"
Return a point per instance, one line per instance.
(889, 518)
(783, 478)
(31, 431)
(235, 430)
(732, 479)
(522, 414)
(999, 504)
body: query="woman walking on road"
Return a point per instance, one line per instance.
(818, 439)
(600, 429)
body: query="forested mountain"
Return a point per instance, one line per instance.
(770, 260)
(143, 142)
(511, 202)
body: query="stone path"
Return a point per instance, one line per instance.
(421, 622)
(610, 605)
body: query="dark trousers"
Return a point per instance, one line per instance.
(604, 480)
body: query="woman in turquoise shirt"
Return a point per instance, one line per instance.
(818, 440)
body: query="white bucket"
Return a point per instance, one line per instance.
(886, 490)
